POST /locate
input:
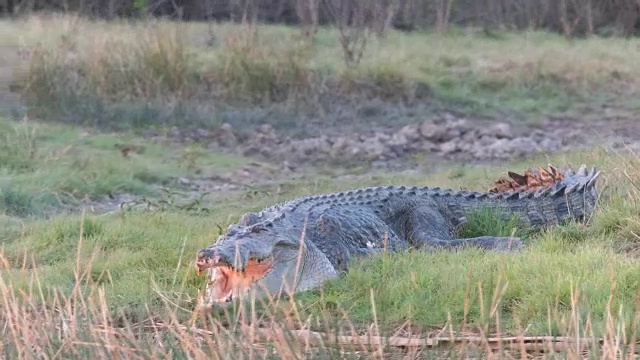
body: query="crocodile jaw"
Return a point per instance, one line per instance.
(226, 283)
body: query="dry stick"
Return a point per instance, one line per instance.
(320, 339)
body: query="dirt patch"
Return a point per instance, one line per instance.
(447, 138)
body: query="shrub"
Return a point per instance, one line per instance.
(257, 72)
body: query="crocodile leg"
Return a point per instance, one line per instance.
(429, 229)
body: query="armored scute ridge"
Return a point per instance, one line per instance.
(298, 245)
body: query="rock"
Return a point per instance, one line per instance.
(450, 137)
(451, 134)
(448, 117)
(380, 136)
(266, 134)
(486, 140)
(550, 144)
(370, 149)
(410, 132)
(225, 136)
(397, 143)
(502, 131)
(426, 145)
(498, 130)
(243, 174)
(471, 136)
(311, 146)
(262, 142)
(287, 166)
(443, 132)
(430, 131)
(449, 147)
(459, 125)
(342, 143)
(201, 134)
(508, 148)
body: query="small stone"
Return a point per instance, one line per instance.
(499, 130)
(372, 149)
(430, 131)
(508, 148)
(461, 125)
(486, 140)
(503, 130)
(409, 132)
(201, 134)
(449, 147)
(471, 135)
(398, 140)
(427, 145)
(342, 143)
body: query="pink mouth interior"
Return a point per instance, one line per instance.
(225, 281)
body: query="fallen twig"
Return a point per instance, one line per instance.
(522, 343)
(319, 339)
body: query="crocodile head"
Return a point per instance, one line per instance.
(248, 259)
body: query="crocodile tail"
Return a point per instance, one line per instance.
(539, 197)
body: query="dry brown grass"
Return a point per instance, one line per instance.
(81, 325)
(71, 61)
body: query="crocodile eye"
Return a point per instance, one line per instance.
(259, 227)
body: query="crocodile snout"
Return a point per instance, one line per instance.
(236, 257)
(209, 257)
(209, 253)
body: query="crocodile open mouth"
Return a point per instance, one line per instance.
(225, 282)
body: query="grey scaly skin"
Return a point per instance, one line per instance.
(313, 239)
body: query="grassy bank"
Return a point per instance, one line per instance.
(45, 169)
(128, 75)
(126, 272)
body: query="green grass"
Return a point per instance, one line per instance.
(47, 168)
(140, 257)
(132, 266)
(431, 290)
(96, 73)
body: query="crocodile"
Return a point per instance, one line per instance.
(299, 245)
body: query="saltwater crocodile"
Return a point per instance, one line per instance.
(298, 245)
